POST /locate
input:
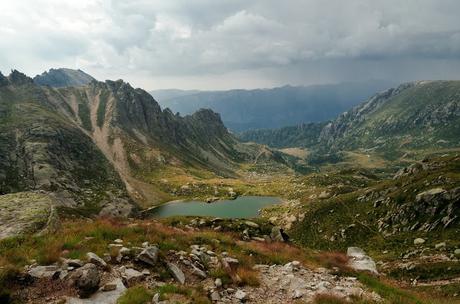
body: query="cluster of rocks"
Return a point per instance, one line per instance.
(285, 215)
(104, 279)
(291, 283)
(107, 276)
(249, 230)
(216, 192)
(428, 210)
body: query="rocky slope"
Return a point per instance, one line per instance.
(421, 201)
(63, 78)
(421, 114)
(41, 149)
(417, 115)
(100, 145)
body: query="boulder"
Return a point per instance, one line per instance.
(74, 263)
(218, 282)
(95, 259)
(131, 276)
(277, 234)
(176, 273)
(86, 279)
(230, 263)
(419, 241)
(428, 195)
(441, 245)
(103, 296)
(358, 260)
(149, 255)
(156, 298)
(240, 295)
(215, 296)
(251, 224)
(125, 251)
(198, 272)
(109, 287)
(324, 195)
(44, 272)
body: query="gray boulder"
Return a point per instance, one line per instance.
(358, 260)
(86, 279)
(149, 255)
(44, 272)
(104, 296)
(419, 241)
(176, 273)
(95, 259)
(132, 276)
(240, 295)
(198, 272)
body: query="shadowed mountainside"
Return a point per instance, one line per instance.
(271, 108)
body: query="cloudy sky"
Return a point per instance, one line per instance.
(219, 44)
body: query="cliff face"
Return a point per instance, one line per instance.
(41, 149)
(101, 141)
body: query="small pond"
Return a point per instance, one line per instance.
(241, 207)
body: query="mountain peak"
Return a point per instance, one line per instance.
(19, 78)
(3, 80)
(63, 77)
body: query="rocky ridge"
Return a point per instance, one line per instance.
(63, 78)
(414, 115)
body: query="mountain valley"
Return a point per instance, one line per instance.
(370, 210)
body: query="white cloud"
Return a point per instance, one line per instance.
(176, 43)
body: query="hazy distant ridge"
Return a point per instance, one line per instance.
(271, 108)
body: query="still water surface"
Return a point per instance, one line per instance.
(242, 207)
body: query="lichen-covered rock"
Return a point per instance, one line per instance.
(86, 279)
(26, 212)
(149, 255)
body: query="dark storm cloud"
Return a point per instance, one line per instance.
(209, 43)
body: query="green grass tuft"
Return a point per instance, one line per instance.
(136, 295)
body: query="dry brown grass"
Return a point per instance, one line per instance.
(281, 253)
(328, 299)
(248, 277)
(333, 259)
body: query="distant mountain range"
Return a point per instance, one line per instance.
(242, 110)
(422, 114)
